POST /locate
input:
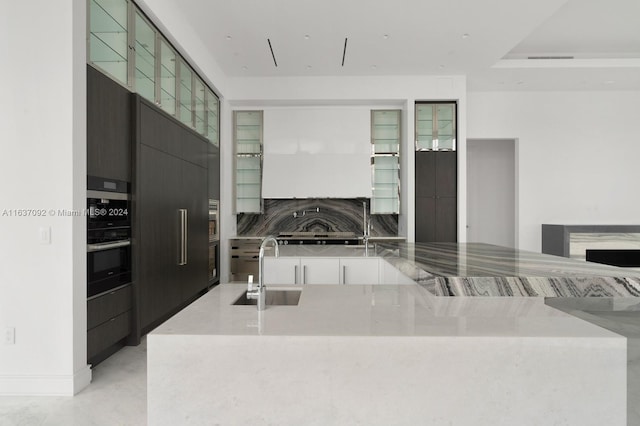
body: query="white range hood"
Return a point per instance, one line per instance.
(317, 152)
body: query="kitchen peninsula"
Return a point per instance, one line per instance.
(399, 354)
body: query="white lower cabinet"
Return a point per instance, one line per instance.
(296, 270)
(359, 271)
(320, 270)
(282, 270)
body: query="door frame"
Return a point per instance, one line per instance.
(516, 188)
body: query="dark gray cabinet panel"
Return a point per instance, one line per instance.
(159, 187)
(214, 172)
(108, 323)
(436, 196)
(102, 337)
(446, 170)
(158, 130)
(425, 223)
(102, 308)
(108, 127)
(194, 275)
(425, 174)
(171, 175)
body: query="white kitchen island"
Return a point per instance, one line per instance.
(383, 355)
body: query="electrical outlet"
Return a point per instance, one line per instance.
(10, 336)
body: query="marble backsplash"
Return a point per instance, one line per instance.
(333, 215)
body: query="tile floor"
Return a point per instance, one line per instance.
(117, 394)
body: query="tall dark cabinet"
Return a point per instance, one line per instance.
(170, 193)
(108, 127)
(436, 196)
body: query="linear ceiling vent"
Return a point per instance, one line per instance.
(550, 57)
(344, 51)
(273, 55)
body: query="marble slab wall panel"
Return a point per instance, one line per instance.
(335, 215)
(579, 242)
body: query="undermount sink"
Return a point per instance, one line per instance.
(274, 298)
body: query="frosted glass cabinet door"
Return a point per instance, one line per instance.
(167, 78)
(108, 47)
(435, 126)
(385, 161)
(424, 126)
(446, 121)
(145, 59)
(248, 145)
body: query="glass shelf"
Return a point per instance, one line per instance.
(385, 162)
(435, 126)
(248, 145)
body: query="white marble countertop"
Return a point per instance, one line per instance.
(381, 310)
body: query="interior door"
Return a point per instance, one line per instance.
(491, 191)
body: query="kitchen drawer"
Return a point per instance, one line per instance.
(103, 336)
(244, 248)
(108, 305)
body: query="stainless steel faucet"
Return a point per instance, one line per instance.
(366, 227)
(260, 293)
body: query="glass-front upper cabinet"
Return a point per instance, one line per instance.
(213, 122)
(108, 37)
(185, 93)
(145, 59)
(435, 126)
(167, 78)
(248, 146)
(199, 105)
(385, 161)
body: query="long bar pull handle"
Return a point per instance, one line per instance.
(295, 274)
(304, 274)
(186, 236)
(182, 239)
(344, 274)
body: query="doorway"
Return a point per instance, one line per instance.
(491, 191)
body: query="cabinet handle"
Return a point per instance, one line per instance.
(182, 230)
(344, 274)
(304, 274)
(295, 274)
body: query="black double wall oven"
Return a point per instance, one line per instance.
(108, 240)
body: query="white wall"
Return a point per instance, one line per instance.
(578, 155)
(42, 166)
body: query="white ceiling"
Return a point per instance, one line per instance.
(489, 41)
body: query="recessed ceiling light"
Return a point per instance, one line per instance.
(307, 37)
(386, 36)
(465, 35)
(228, 37)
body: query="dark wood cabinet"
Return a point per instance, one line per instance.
(214, 172)
(436, 196)
(108, 323)
(171, 175)
(108, 127)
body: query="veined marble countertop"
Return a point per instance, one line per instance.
(474, 269)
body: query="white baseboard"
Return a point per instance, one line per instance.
(40, 385)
